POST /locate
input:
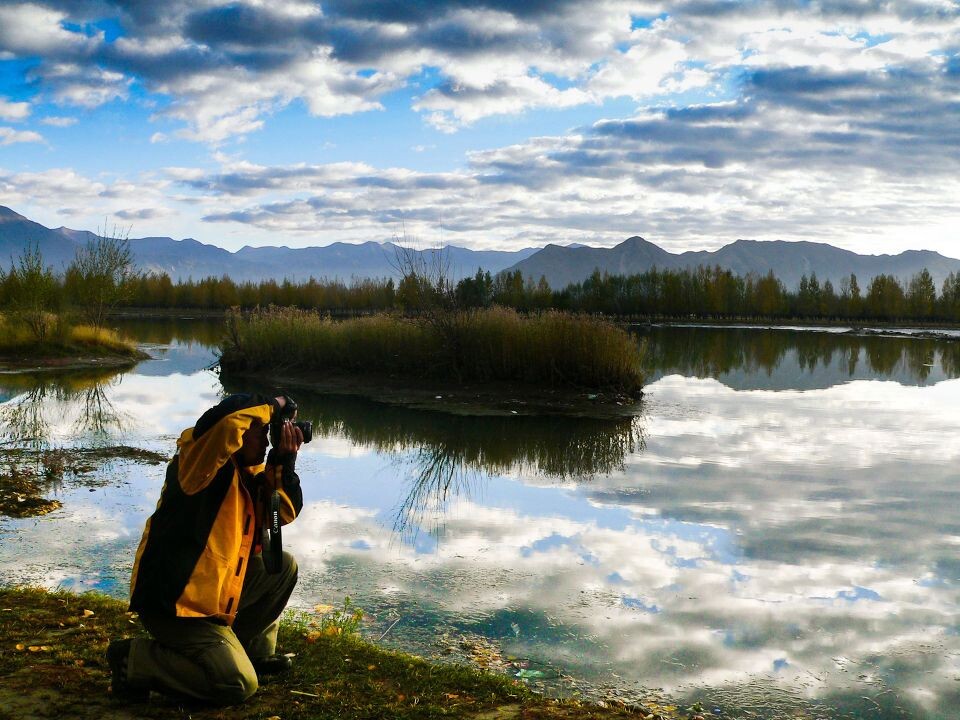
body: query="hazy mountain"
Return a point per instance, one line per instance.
(788, 261)
(561, 265)
(16, 233)
(181, 259)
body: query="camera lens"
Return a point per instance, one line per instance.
(306, 427)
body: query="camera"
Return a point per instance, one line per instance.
(288, 412)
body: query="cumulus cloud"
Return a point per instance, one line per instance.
(9, 136)
(86, 201)
(14, 110)
(226, 67)
(79, 85)
(744, 124)
(28, 29)
(802, 155)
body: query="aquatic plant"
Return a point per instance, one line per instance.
(494, 345)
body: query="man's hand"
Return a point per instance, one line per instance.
(290, 439)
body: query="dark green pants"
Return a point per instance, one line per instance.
(204, 660)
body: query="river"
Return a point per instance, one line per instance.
(777, 533)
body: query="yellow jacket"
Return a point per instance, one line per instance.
(193, 554)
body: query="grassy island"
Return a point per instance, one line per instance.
(52, 664)
(53, 341)
(494, 350)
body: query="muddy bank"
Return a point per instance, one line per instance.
(34, 363)
(489, 399)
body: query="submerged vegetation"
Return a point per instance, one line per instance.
(52, 656)
(494, 345)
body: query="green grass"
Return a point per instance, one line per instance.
(497, 345)
(52, 647)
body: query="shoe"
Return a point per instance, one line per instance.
(272, 664)
(118, 653)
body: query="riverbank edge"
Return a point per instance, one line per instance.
(32, 364)
(486, 400)
(637, 320)
(52, 663)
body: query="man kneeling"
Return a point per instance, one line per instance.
(199, 581)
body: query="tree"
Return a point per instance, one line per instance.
(474, 292)
(808, 296)
(921, 295)
(885, 298)
(101, 275)
(851, 303)
(33, 292)
(950, 297)
(770, 295)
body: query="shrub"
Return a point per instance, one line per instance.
(482, 345)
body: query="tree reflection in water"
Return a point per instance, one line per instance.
(443, 456)
(37, 402)
(709, 352)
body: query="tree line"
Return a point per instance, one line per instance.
(102, 278)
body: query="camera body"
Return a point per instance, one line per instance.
(288, 412)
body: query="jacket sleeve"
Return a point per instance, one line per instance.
(207, 447)
(284, 478)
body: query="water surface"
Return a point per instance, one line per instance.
(776, 533)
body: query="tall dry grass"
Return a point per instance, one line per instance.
(59, 337)
(100, 337)
(551, 349)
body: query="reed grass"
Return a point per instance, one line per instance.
(98, 337)
(496, 345)
(60, 337)
(12, 334)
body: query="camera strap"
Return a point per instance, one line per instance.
(270, 535)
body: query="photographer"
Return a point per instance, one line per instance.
(200, 583)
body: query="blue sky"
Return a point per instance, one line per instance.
(491, 124)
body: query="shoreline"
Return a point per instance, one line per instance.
(19, 364)
(479, 400)
(52, 663)
(637, 320)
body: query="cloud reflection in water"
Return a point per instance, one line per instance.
(794, 541)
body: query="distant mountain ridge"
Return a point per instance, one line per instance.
(561, 265)
(182, 259)
(789, 261)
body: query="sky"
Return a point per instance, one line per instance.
(496, 124)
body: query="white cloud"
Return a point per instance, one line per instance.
(29, 29)
(62, 122)
(75, 84)
(642, 71)
(227, 69)
(463, 104)
(9, 136)
(14, 110)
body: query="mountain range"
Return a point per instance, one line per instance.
(789, 261)
(189, 258)
(560, 265)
